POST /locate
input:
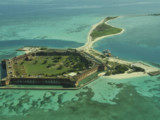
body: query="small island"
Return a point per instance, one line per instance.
(99, 31)
(104, 29)
(71, 68)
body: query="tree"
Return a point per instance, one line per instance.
(44, 62)
(60, 67)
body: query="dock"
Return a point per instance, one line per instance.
(154, 73)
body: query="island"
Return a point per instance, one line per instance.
(66, 67)
(104, 29)
(71, 68)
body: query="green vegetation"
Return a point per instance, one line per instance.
(104, 29)
(50, 66)
(43, 48)
(109, 18)
(118, 69)
(137, 69)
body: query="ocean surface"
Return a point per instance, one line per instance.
(140, 41)
(65, 24)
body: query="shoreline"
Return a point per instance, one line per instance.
(89, 46)
(126, 75)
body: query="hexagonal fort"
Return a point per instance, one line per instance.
(51, 67)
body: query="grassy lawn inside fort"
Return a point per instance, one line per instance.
(50, 66)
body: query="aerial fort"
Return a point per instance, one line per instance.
(71, 68)
(67, 67)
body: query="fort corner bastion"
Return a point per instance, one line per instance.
(67, 67)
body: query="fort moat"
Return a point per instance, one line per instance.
(67, 67)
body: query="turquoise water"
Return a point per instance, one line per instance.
(135, 99)
(140, 41)
(63, 24)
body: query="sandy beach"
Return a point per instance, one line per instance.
(126, 75)
(30, 49)
(88, 46)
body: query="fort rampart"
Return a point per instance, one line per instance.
(85, 74)
(70, 81)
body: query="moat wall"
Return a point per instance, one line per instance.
(41, 81)
(85, 74)
(93, 70)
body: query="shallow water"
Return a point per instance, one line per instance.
(135, 99)
(140, 41)
(63, 24)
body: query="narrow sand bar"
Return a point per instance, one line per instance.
(88, 46)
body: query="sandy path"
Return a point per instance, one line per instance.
(90, 42)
